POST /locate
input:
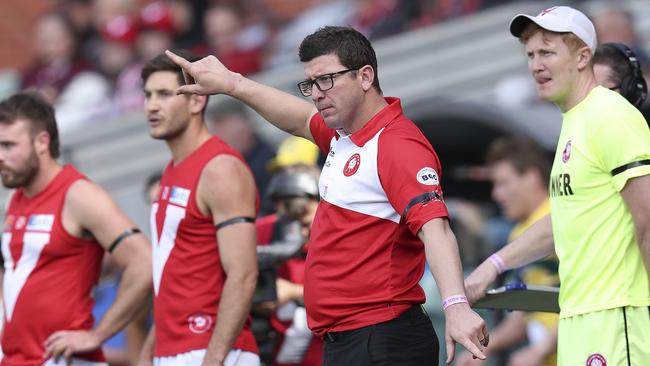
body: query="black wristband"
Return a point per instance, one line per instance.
(124, 235)
(235, 220)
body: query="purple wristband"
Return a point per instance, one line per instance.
(498, 263)
(454, 299)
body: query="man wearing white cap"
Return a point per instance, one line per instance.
(599, 224)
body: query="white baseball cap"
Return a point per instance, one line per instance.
(558, 19)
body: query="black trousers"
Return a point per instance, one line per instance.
(408, 340)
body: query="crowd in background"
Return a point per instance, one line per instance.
(88, 53)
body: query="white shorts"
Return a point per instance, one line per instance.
(236, 357)
(74, 362)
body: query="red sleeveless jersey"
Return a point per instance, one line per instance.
(49, 274)
(187, 272)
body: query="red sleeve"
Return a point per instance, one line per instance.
(409, 170)
(321, 133)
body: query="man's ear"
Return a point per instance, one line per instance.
(42, 142)
(197, 103)
(367, 74)
(584, 57)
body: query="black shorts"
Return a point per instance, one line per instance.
(408, 340)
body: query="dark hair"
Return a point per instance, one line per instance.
(522, 153)
(164, 63)
(36, 111)
(616, 60)
(353, 48)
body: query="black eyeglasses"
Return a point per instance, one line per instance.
(323, 82)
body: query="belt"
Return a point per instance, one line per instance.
(331, 337)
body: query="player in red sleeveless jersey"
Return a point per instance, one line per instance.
(203, 235)
(57, 226)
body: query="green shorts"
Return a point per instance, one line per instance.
(614, 337)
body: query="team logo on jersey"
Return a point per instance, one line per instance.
(596, 359)
(428, 176)
(180, 196)
(40, 223)
(199, 323)
(352, 165)
(566, 153)
(20, 222)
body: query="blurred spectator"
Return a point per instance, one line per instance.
(441, 10)
(79, 13)
(284, 46)
(156, 31)
(119, 62)
(187, 16)
(61, 76)
(283, 239)
(233, 125)
(519, 172)
(105, 10)
(615, 24)
(127, 44)
(383, 18)
(295, 153)
(224, 31)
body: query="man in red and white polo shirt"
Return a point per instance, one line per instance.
(381, 210)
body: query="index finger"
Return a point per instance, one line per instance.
(178, 60)
(474, 347)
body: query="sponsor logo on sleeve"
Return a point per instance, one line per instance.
(596, 359)
(352, 165)
(40, 223)
(179, 196)
(428, 176)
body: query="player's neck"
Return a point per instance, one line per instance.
(48, 170)
(374, 104)
(187, 142)
(584, 85)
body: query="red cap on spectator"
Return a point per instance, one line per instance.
(156, 16)
(119, 29)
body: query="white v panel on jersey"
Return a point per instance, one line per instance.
(16, 274)
(163, 246)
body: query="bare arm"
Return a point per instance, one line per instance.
(462, 324)
(636, 195)
(136, 334)
(535, 243)
(210, 76)
(230, 198)
(536, 353)
(89, 209)
(146, 355)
